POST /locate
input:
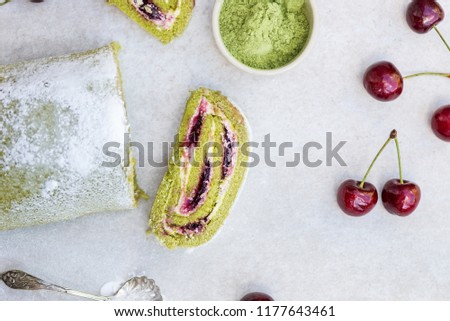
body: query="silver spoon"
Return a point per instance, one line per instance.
(138, 288)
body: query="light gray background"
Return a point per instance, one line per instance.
(286, 235)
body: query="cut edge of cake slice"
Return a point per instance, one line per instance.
(164, 19)
(193, 201)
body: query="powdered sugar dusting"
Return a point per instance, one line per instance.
(56, 115)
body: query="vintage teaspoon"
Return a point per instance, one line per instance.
(135, 289)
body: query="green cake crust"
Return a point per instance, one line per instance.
(164, 35)
(181, 184)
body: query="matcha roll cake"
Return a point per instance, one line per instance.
(56, 115)
(164, 19)
(205, 172)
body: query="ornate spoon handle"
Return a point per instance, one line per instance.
(20, 280)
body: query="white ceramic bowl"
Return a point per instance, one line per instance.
(311, 14)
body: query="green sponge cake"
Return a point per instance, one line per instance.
(165, 19)
(56, 115)
(205, 172)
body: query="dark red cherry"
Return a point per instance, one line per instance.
(423, 15)
(355, 200)
(257, 296)
(440, 123)
(400, 199)
(383, 81)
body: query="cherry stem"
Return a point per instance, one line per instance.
(4, 2)
(441, 74)
(393, 135)
(399, 160)
(442, 37)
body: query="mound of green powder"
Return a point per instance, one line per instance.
(264, 34)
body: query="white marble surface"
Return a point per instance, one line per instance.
(286, 235)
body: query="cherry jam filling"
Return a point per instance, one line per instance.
(227, 164)
(193, 137)
(150, 11)
(193, 228)
(195, 125)
(198, 197)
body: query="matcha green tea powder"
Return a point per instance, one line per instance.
(264, 34)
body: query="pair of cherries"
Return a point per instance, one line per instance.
(383, 80)
(400, 197)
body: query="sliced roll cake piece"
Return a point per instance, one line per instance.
(56, 115)
(164, 19)
(205, 172)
